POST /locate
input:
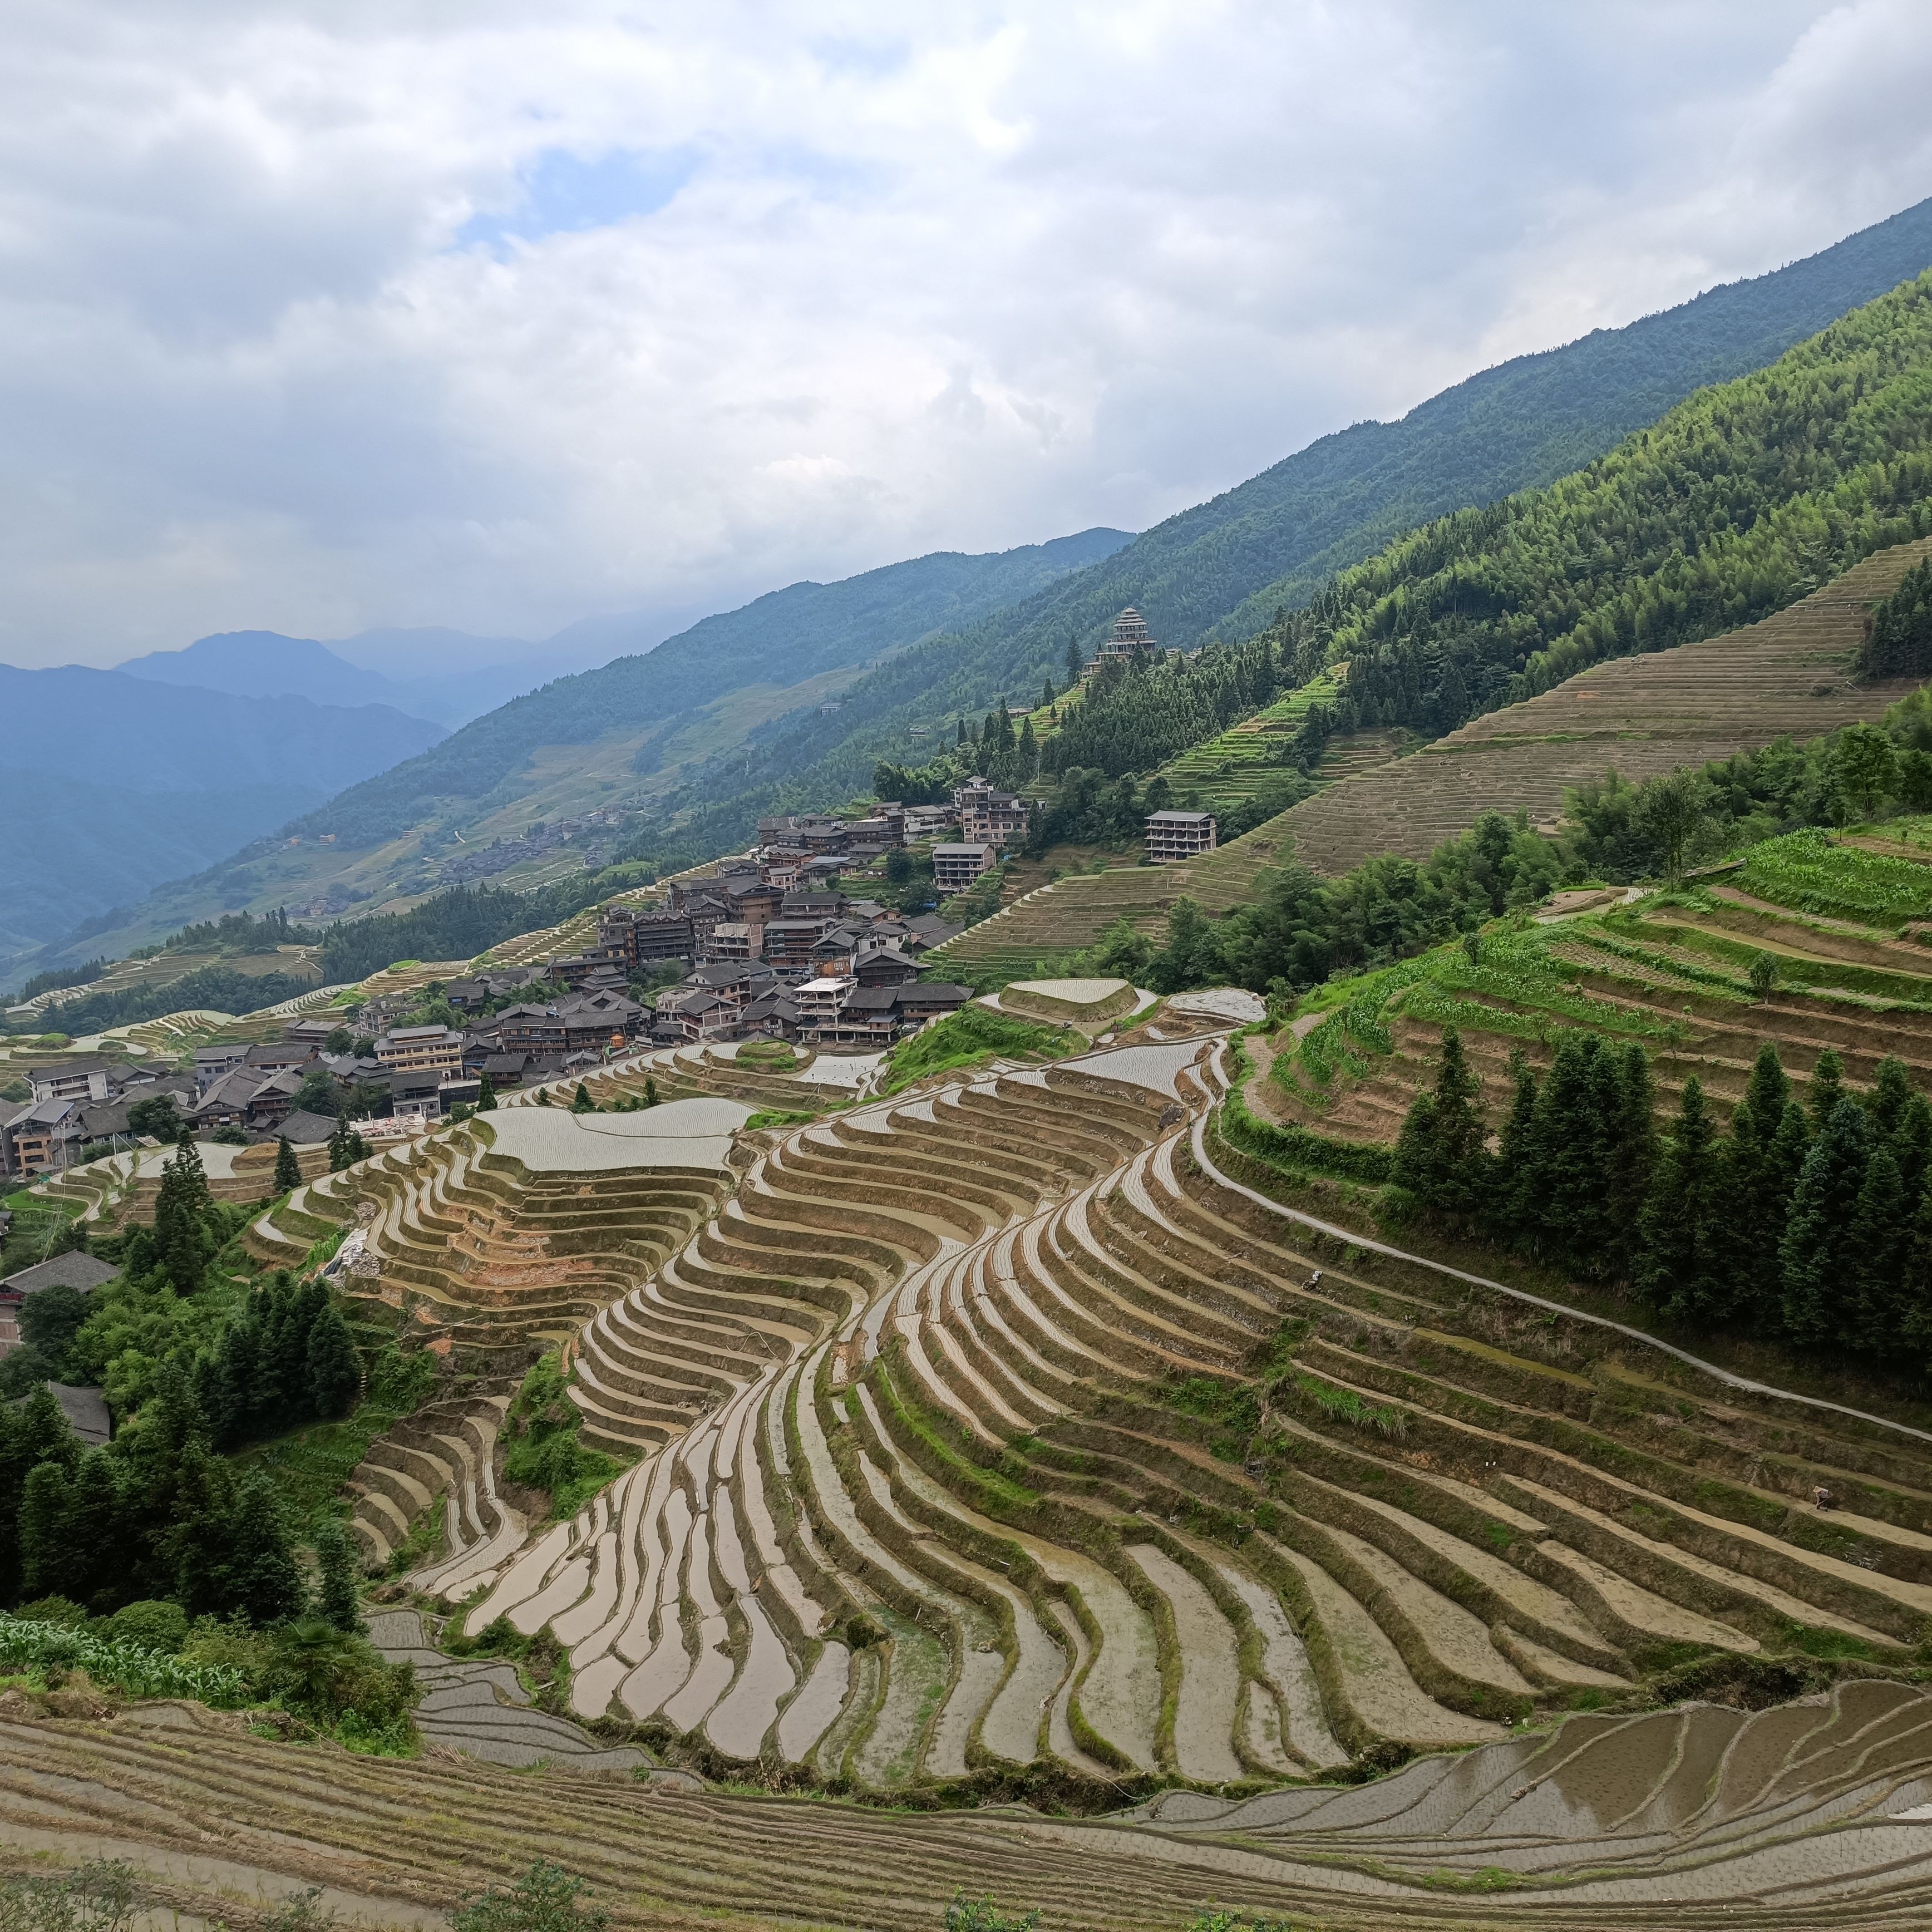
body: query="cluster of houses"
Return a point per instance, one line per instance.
(78, 1104)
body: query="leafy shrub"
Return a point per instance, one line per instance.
(127, 1667)
(153, 1623)
(103, 1895)
(543, 1899)
(543, 1445)
(979, 1914)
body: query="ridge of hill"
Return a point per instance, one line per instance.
(471, 675)
(1791, 674)
(111, 784)
(1223, 568)
(601, 740)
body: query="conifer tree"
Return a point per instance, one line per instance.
(97, 1531)
(486, 1094)
(581, 1102)
(1460, 1133)
(1681, 1255)
(1826, 1088)
(1891, 1095)
(1633, 1160)
(1577, 1115)
(1873, 1258)
(650, 1089)
(1823, 1208)
(44, 1553)
(183, 1208)
(1912, 1146)
(543, 1097)
(335, 1600)
(341, 1148)
(288, 1169)
(1505, 1214)
(257, 1578)
(332, 1373)
(1417, 1159)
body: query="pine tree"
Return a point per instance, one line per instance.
(1873, 1258)
(1826, 1088)
(96, 1532)
(46, 1559)
(1418, 1159)
(288, 1169)
(1634, 1161)
(1681, 1255)
(237, 1377)
(543, 1097)
(341, 1148)
(581, 1102)
(196, 1542)
(183, 1209)
(1577, 1115)
(1823, 1207)
(1505, 1213)
(332, 1373)
(486, 1094)
(335, 1601)
(1912, 1146)
(1460, 1132)
(1075, 661)
(258, 1578)
(650, 1091)
(1891, 1095)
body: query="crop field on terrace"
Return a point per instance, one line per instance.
(1670, 969)
(1790, 673)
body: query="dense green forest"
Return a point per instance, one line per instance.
(1734, 505)
(1809, 1220)
(1898, 636)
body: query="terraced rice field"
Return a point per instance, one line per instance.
(123, 1187)
(943, 1471)
(951, 1475)
(1025, 939)
(1808, 1816)
(1671, 969)
(1790, 673)
(1230, 769)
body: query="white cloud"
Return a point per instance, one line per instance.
(314, 317)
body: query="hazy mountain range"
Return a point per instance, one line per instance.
(800, 690)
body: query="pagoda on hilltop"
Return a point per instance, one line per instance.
(1129, 634)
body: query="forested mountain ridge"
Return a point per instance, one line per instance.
(1225, 567)
(1738, 502)
(783, 637)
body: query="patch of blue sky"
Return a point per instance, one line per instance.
(565, 193)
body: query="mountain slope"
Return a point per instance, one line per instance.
(598, 738)
(445, 675)
(113, 784)
(1223, 568)
(781, 639)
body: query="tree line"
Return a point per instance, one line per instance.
(1300, 927)
(155, 1514)
(1808, 1218)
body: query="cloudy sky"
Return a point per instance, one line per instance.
(317, 317)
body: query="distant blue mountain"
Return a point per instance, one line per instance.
(443, 675)
(111, 784)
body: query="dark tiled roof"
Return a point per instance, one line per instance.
(72, 1270)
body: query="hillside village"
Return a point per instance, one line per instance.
(1296, 1273)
